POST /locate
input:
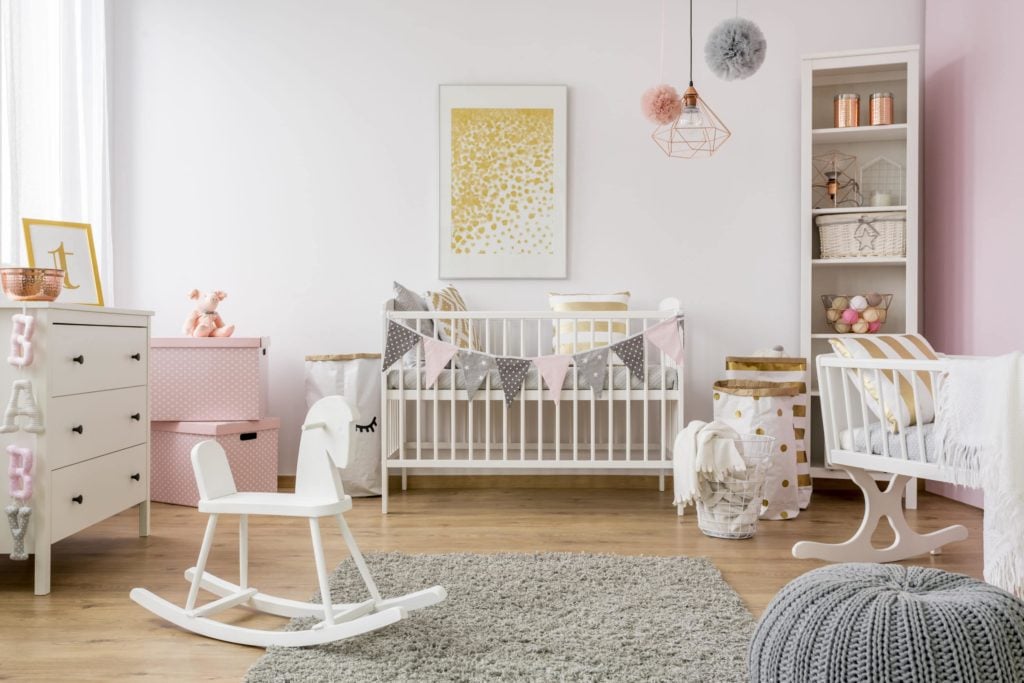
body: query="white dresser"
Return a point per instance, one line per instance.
(90, 378)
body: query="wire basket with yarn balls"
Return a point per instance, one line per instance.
(856, 313)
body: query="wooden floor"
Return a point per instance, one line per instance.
(88, 629)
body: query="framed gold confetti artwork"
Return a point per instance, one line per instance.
(502, 181)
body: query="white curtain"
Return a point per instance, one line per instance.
(54, 140)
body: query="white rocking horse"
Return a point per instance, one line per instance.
(326, 437)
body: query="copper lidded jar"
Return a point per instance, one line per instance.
(846, 110)
(880, 109)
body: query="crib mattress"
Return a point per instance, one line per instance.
(621, 378)
(853, 440)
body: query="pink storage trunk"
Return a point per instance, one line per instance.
(208, 379)
(251, 449)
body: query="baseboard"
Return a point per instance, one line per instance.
(286, 482)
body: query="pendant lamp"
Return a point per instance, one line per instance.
(697, 131)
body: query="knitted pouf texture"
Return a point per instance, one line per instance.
(874, 622)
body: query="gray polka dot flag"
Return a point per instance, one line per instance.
(475, 367)
(592, 366)
(631, 352)
(400, 340)
(512, 372)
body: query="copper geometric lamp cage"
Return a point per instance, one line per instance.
(697, 131)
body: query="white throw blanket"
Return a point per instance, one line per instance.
(981, 428)
(703, 448)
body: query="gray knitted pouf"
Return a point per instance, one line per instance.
(874, 622)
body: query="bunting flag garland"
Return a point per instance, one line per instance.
(399, 341)
(631, 352)
(475, 368)
(512, 372)
(437, 354)
(592, 367)
(668, 337)
(553, 369)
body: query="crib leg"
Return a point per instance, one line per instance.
(879, 504)
(661, 482)
(405, 480)
(911, 499)
(680, 509)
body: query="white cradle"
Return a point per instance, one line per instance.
(629, 429)
(859, 442)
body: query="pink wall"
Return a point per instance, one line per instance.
(973, 175)
(973, 181)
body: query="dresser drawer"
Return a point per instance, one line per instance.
(96, 357)
(90, 491)
(83, 426)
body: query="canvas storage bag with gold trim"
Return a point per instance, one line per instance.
(782, 370)
(766, 408)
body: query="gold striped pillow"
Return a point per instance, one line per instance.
(577, 336)
(897, 387)
(461, 333)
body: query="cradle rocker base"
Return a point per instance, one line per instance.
(878, 504)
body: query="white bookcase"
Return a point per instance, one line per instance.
(895, 70)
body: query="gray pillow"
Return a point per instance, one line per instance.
(408, 300)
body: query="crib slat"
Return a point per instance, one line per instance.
(611, 401)
(487, 393)
(882, 423)
(504, 406)
(453, 383)
(575, 396)
(540, 396)
(419, 396)
(436, 438)
(863, 403)
(849, 415)
(917, 411)
(646, 387)
(662, 437)
(593, 398)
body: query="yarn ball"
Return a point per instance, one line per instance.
(841, 328)
(735, 49)
(850, 316)
(861, 327)
(871, 315)
(874, 327)
(833, 315)
(661, 104)
(874, 298)
(840, 303)
(858, 303)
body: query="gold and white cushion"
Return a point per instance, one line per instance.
(577, 336)
(897, 388)
(461, 333)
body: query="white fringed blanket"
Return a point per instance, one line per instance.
(981, 429)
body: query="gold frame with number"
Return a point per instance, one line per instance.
(27, 223)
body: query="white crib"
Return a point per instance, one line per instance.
(859, 442)
(628, 430)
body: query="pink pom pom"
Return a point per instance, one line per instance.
(850, 316)
(874, 327)
(661, 104)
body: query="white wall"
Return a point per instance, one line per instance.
(286, 152)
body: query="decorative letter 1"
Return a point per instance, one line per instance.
(21, 340)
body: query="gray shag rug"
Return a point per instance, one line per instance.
(541, 617)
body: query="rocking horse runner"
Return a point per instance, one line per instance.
(323, 450)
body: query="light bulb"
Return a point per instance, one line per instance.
(691, 117)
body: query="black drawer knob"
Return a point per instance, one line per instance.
(79, 359)
(136, 356)
(78, 499)
(136, 416)
(136, 476)
(79, 429)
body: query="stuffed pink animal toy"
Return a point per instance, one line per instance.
(205, 321)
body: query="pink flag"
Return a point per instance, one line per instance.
(667, 337)
(437, 354)
(553, 369)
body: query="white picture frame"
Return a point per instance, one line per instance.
(68, 246)
(483, 232)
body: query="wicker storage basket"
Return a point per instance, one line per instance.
(871, 234)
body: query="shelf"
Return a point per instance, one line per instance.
(857, 209)
(861, 261)
(897, 131)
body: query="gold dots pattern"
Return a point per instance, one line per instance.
(759, 431)
(503, 181)
(783, 448)
(717, 396)
(739, 413)
(785, 483)
(784, 515)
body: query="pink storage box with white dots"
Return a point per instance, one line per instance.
(208, 379)
(251, 447)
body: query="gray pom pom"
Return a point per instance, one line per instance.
(735, 49)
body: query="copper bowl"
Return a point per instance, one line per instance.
(32, 284)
